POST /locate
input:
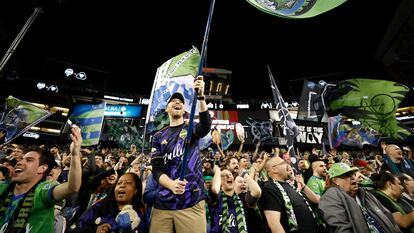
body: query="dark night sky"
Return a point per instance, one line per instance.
(131, 39)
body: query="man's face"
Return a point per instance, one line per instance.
(227, 180)
(240, 185)
(17, 154)
(320, 168)
(98, 161)
(54, 150)
(283, 169)
(302, 165)
(243, 163)
(347, 182)
(175, 108)
(233, 166)
(28, 169)
(394, 152)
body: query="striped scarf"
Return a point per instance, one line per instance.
(20, 216)
(240, 217)
(292, 221)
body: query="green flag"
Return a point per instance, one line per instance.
(295, 9)
(175, 75)
(372, 102)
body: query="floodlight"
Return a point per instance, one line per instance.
(40, 86)
(69, 72)
(81, 76)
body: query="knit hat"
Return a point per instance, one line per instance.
(338, 169)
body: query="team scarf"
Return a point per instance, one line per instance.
(240, 216)
(396, 205)
(18, 221)
(292, 221)
(407, 166)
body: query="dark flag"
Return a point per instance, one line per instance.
(290, 130)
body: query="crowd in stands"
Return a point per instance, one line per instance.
(247, 191)
(176, 188)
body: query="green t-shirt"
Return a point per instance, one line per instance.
(316, 184)
(41, 218)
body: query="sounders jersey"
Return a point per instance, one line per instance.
(169, 146)
(42, 217)
(317, 185)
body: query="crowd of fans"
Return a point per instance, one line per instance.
(176, 188)
(247, 191)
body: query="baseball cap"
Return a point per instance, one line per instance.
(176, 95)
(208, 178)
(338, 169)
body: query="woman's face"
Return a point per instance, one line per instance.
(125, 189)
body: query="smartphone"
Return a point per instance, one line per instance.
(66, 132)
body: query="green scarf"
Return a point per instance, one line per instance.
(395, 204)
(22, 211)
(293, 223)
(240, 217)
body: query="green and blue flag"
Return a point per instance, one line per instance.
(295, 9)
(89, 117)
(17, 117)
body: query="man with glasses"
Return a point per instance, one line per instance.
(286, 209)
(347, 208)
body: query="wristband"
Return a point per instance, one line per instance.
(201, 97)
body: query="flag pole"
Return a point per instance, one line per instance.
(194, 103)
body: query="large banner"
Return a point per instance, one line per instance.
(295, 9)
(17, 117)
(175, 75)
(310, 132)
(372, 102)
(258, 127)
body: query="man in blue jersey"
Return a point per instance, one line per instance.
(180, 205)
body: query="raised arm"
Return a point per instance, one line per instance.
(75, 171)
